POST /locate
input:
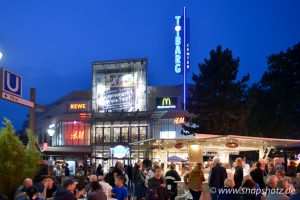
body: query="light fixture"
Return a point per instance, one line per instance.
(50, 132)
(1, 55)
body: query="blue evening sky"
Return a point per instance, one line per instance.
(52, 43)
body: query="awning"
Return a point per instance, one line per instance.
(63, 150)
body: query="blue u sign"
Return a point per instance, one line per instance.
(12, 83)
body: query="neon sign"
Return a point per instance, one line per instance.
(178, 120)
(166, 103)
(177, 45)
(77, 135)
(120, 151)
(182, 43)
(77, 106)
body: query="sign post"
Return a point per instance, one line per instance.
(11, 90)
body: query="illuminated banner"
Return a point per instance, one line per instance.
(166, 103)
(78, 106)
(119, 86)
(182, 43)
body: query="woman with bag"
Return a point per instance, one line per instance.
(194, 180)
(157, 186)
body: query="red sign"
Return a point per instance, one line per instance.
(178, 120)
(76, 133)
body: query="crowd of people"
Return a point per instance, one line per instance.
(147, 180)
(264, 180)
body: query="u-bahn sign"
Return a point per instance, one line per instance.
(11, 88)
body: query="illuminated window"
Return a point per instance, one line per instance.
(99, 135)
(106, 135)
(124, 134)
(134, 134)
(143, 133)
(117, 135)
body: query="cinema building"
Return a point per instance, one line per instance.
(122, 118)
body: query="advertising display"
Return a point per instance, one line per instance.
(166, 103)
(78, 106)
(119, 86)
(76, 133)
(120, 151)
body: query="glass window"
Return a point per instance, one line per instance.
(143, 133)
(117, 134)
(99, 135)
(106, 134)
(134, 134)
(124, 134)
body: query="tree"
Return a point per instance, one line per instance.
(218, 101)
(277, 109)
(17, 161)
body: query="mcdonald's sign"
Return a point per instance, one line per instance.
(166, 103)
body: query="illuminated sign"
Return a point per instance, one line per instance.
(178, 120)
(77, 135)
(78, 106)
(182, 43)
(119, 86)
(120, 151)
(166, 103)
(85, 116)
(167, 134)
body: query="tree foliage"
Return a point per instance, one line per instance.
(277, 109)
(16, 161)
(218, 101)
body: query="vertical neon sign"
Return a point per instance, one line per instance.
(182, 49)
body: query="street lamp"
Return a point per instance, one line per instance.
(50, 132)
(1, 55)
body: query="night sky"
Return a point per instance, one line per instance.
(53, 43)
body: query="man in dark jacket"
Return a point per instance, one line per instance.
(109, 177)
(172, 176)
(218, 175)
(238, 174)
(258, 176)
(66, 193)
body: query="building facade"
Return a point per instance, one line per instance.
(111, 121)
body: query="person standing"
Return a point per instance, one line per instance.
(109, 177)
(172, 176)
(67, 170)
(118, 170)
(157, 186)
(218, 175)
(258, 175)
(194, 180)
(139, 182)
(238, 174)
(105, 186)
(99, 170)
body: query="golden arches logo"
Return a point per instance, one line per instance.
(166, 102)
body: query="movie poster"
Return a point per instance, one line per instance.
(122, 88)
